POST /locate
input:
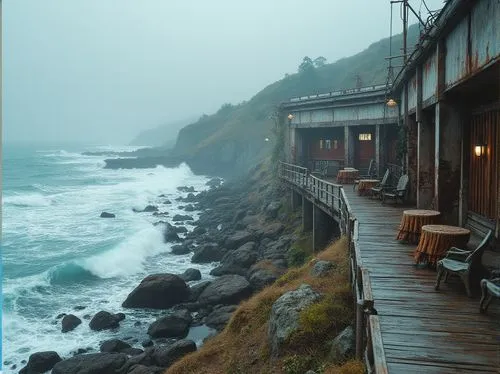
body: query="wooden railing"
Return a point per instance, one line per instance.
(369, 346)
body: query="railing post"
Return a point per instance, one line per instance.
(360, 328)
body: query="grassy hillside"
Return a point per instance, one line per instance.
(232, 140)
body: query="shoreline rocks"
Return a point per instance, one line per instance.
(158, 291)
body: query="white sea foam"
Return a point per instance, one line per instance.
(89, 261)
(28, 200)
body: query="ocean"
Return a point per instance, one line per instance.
(59, 255)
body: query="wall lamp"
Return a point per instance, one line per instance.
(480, 149)
(290, 117)
(391, 103)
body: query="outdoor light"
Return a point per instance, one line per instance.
(391, 103)
(290, 117)
(480, 149)
(266, 139)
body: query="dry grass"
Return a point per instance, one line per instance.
(350, 367)
(243, 345)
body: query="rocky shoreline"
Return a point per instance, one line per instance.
(240, 228)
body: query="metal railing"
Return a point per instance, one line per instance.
(369, 346)
(349, 91)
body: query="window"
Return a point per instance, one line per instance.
(328, 144)
(321, 144)
(364, 137)
(335, 144)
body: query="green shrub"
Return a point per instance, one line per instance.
(297, 256)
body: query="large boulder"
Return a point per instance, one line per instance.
(69, 322)
(285, 313)
(245, 256)
(343, 346)
(226, 269)
(237, 239)
(182, 217)
(220, 316)
(272, 209)
(170, 234)
(174, 325)
(158, 291)
(166, 356)
(260, 278)
(197, 289)
(191, 274)
(207, 253)
(322, 268)
(228, 290)
(93, 363)
(142, 369)
(41, 362)
(114, 345)
(104, 320)
(180, 249)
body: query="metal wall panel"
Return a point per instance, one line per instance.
(485, 33)
(456, 53)
(412, 93)
(322, 115)
(362, 112)
(429, 77)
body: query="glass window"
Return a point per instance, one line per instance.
(364, 137)
(335, 144)
(321, 144)
(328, 144)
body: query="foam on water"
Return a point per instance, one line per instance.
(59, 254)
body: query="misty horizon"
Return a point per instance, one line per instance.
(102, 71)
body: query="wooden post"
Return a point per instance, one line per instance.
(360, 328)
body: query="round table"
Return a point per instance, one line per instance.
(347, 176)
(412, 222)
(437, 239)
(365, 185)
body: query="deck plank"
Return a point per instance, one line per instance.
(423, 330)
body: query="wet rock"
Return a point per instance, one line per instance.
(191, 274)
(93, 363)
(207, 253)
(41, 362)
(114, 345)
(237, 239)
(182, 217)
(60, 315)
(107, 215)
(180, 249)
(174, 325)
(69, 322)
(186, 189)
(147, 209)
(228, 290)
(244, 257)
(197, 289)
(220, 316)
(167, 356)
(227, 269)
(158, 291)
(170, 234)
(104, 321)
(132, 351)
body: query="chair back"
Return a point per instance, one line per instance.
(383, 182)
(402, 183)
(478, 252)
(372, 169)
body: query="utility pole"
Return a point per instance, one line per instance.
(405, 61)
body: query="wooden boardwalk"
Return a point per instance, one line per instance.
(423, 330)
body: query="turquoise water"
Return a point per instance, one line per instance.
(57, 253)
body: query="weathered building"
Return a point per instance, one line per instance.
(452, 115)
(447, 113)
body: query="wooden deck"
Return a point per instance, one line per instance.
(423, 330)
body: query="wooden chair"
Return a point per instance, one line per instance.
(461, 262)
(489, 288)
(398, 192)
(371, 174)
(377, 190)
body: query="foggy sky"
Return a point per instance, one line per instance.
(100, 71)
